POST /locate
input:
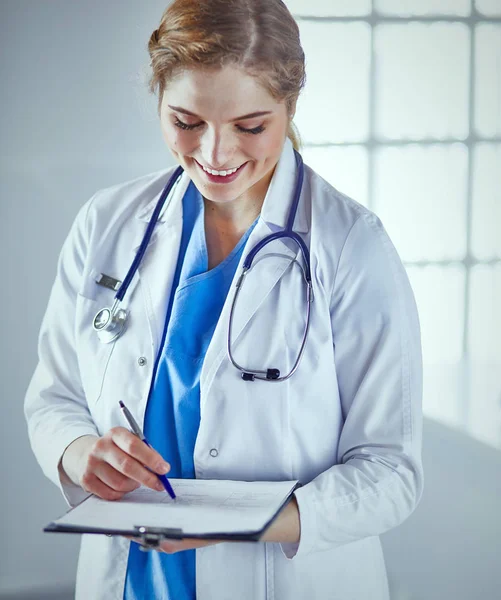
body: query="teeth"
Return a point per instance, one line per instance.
(220, 173)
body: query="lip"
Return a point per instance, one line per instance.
(218, 178)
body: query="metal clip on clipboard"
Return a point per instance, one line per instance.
(152, 536)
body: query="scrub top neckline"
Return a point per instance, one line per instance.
(208, 274)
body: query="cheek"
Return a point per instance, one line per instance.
(270, 143)
(178, 142)
(269, 148)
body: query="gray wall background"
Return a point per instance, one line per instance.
(76, 117)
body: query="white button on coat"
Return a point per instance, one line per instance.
(347, 424)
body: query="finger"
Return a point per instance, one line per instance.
(136, 448)
(172, 546)
(92, 484)
(114, 479)
(125, 464)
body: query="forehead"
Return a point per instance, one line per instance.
(218, 91)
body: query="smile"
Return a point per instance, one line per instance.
(221, 176)
(220, 173)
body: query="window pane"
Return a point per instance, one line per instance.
(439, 296)
(422, 80)
(443, 394)
(488, 7)
(334, 106)
(488, 80)
(420, 195)
(329, 8)
(408, 8)
(345, 168)
(486, 213)
(484, 327)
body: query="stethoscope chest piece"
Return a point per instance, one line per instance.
(110, 323)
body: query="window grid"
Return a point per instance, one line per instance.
(469, 262)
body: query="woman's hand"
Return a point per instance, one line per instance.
(285, 528)
(112, 465)
(173, 546)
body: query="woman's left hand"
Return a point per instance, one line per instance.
(285, 528)
(172, 546)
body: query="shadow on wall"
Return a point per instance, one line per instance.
(451, 544)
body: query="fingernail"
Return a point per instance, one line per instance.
(163, 468)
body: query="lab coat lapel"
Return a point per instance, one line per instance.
(156, 272)
(271, 263)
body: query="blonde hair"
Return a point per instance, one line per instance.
(259, 36)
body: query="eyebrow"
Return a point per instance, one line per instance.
(249, 116)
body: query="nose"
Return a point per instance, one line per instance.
(216, 149)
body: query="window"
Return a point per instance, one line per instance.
(402, 112)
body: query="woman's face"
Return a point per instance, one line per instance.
(224, 120)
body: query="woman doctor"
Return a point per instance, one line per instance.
(346, 422)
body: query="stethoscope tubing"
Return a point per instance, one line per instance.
(115, 321)
(147, 236)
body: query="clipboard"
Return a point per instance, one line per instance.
(217, 506)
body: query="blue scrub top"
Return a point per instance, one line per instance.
(173, 412)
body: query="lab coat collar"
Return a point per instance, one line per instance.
(277, 202)
(172, 209)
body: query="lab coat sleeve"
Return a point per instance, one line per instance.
(378, 480)
(55, 406)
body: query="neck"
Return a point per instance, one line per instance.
(234, 215)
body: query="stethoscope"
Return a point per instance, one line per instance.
(110, 323)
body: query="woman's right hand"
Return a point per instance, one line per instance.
(112, 465)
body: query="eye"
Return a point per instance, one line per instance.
(185, 126)
(254, 131)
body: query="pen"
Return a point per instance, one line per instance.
(137, 431)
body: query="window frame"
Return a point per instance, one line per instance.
(373, 143)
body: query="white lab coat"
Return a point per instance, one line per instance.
(347, 424)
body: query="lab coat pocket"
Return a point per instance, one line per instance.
(93, 355)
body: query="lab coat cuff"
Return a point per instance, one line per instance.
(308, 525)
(73, 494)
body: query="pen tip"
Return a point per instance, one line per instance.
(122, 405)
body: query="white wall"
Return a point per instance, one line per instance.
(76, 117)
